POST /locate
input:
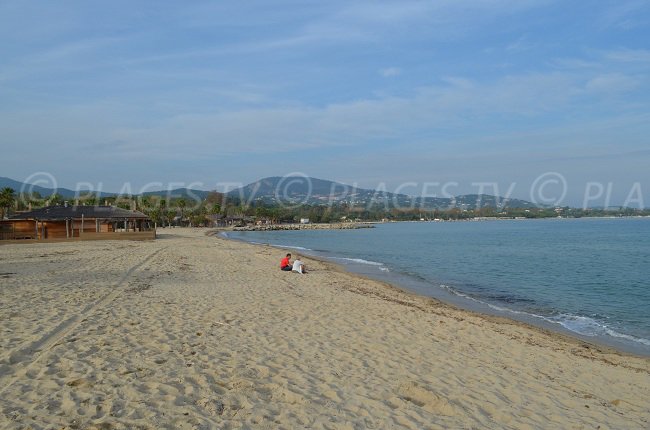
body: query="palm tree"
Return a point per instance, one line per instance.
(215, 209)
(7, 200)
(144, 203)
(55, 199)
(170, 215)
(181, 203)
(163, 209)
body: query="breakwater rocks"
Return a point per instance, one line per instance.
(336, 226)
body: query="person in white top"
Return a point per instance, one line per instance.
(299, 266)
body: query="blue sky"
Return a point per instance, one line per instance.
(371, 93)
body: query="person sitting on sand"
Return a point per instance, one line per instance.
(285, 264)
(299, 266)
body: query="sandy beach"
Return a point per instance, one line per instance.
(193, 331)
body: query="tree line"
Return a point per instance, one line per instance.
(166, 211)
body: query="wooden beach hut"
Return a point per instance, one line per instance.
(78, 222)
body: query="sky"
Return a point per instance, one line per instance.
(537, 99)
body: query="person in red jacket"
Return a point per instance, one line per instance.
(285, 264)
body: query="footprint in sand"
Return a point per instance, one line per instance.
(78, 382)
(213, 406)
(425, 399)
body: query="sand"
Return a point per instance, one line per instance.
(191, 331)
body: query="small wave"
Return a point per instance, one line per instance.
(590, 327)
(384, 269)
(489, 305)
(578, 324)
(278, 246)
(583, 325)
(292, 247)
(628, 337)
(275, 245)
(359, 260)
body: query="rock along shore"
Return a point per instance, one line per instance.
(335, 226)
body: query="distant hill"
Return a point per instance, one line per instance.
(70, 194)
(472, 201)
(177, 193)
(303, 190)
(44, 192)
(299, 189)
(311, 191)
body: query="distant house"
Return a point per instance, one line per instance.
(217, 220)
(304, 220)
(83, 222)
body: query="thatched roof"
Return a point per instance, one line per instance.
(52, 213)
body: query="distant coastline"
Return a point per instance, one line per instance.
(309, 226)
(371, 224)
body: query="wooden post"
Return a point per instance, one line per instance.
(36, 229)
(67, 229)
(126, 227)
(96, 225)
(82, 225)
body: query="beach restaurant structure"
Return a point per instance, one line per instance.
(78, 222)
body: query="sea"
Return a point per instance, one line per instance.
(588, 277)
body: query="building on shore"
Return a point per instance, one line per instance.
(78, 222)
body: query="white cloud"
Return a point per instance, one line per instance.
(624, 14)
(76, 55)
(612, 83)
(629, 55)
(428, 111)
(574, 63)
(390, 72)
(520, 45)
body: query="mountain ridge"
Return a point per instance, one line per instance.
(306, 190)
(302, 189)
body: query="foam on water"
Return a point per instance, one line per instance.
(300, 248)
(376, 264)
(359, 260)
(587, 326)
(582, 325)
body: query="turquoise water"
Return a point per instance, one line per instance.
(587, 276)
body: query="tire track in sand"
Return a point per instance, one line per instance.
(37, 350)
(67, 267)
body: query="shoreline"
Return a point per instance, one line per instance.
(424, 302)
(535, 322)
(171, 334)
